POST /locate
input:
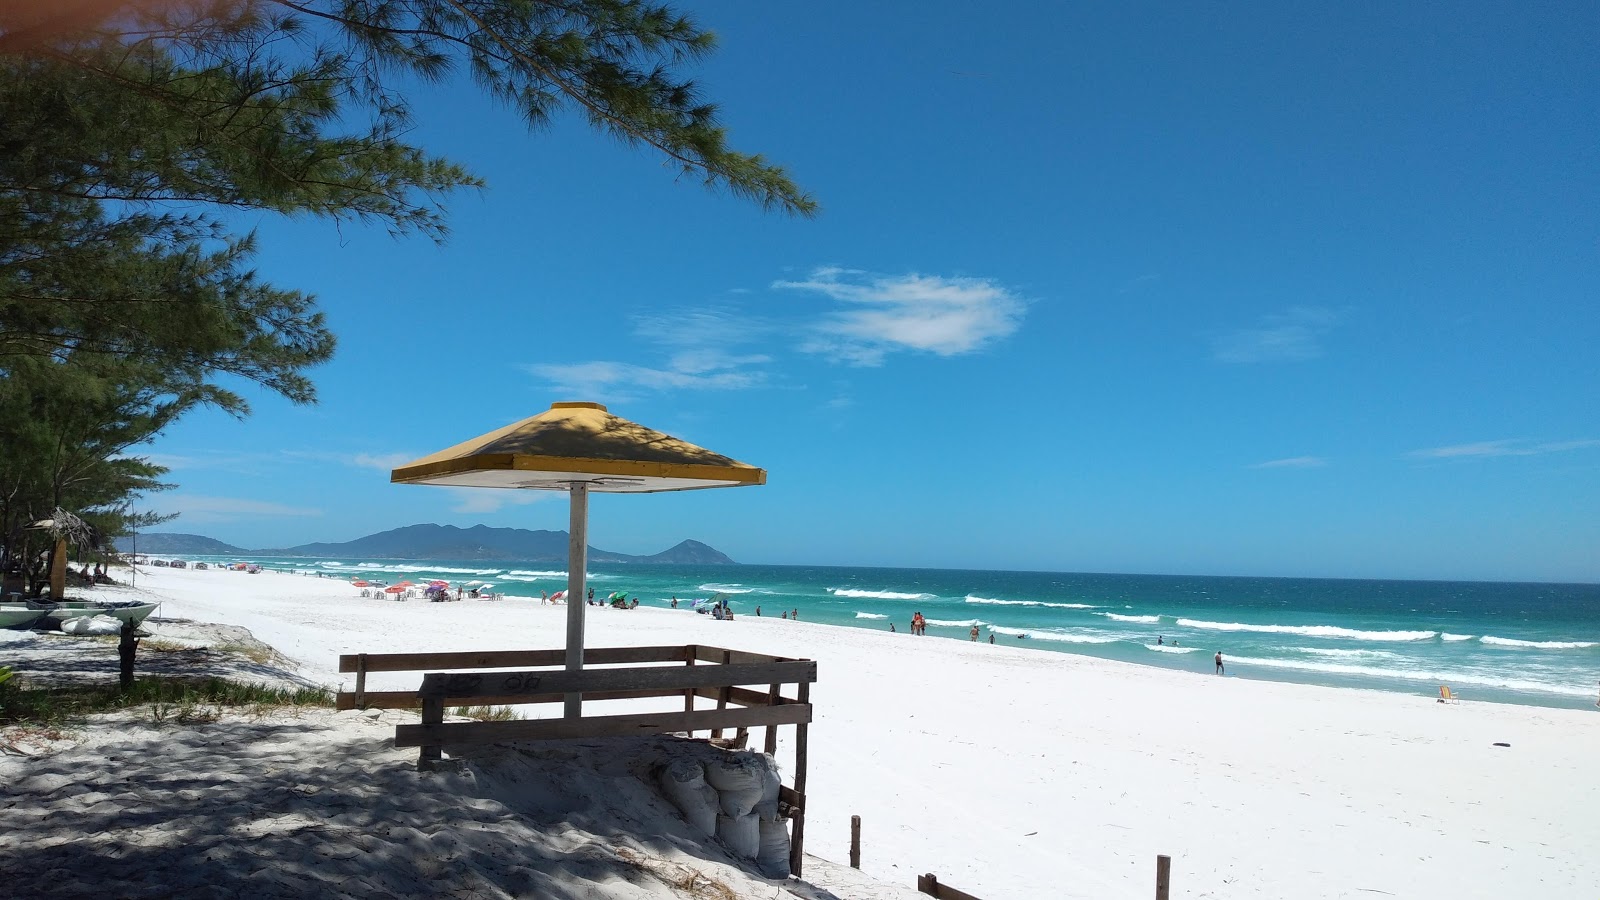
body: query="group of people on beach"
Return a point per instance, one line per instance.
(919, 625)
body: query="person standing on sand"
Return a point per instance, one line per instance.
(1219, 664)
(974, 634)
(758, 612)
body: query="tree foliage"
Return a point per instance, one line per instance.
(124, 299)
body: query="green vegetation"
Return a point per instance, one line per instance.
(125, 301)
(488, 713)
(180, 700)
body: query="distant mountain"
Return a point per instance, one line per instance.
(174, 544)
(443, 542)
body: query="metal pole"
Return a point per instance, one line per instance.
(577, 603)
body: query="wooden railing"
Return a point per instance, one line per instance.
(725, 680)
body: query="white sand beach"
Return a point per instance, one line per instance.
(1016, 773)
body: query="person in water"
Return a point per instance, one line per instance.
(974, 634)
(1161, 639)
(991, 637)
(891, 628)
(1220, 670)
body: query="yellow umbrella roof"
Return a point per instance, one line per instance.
(578, 442)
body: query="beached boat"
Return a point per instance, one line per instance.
(17, 615)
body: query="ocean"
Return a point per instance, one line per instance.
(1532, 644)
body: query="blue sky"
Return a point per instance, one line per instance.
(1257, 290)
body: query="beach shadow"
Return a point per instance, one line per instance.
(325, 806)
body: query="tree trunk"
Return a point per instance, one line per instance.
(58, 570)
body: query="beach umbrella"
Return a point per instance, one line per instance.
(579, 448)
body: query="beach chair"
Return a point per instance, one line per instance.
(1445, 696)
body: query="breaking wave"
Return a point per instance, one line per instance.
(878, 595)
(867, 615)
(975, 599)
(1493, 641)
(1326, 631)
(1144, 620)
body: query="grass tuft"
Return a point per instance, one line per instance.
(181, 700)
(489, 713)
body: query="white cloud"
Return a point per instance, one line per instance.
(204, 508)
(884, 313)
(620, 381)
(1292, 336)
(381, 461)
(488, 500)
(1509, 447)
(702, 353)
(1293, 462)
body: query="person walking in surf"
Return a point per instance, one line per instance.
(1220, 670)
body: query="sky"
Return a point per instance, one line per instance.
(1256, 289)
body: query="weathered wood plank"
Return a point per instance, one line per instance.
(744, 696)
(596, 726)
(505, 659)
(707, 653)
(475, 684)
(929, 884)
(412, 699)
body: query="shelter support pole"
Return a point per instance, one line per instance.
(1163, 877)
(577, 602)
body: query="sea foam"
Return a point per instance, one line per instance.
(877, 595)
(1493, 641)
(1144, 620)
(1433, 676)
(956, 623)
(1056, 636)
(1327, 631)
(867, 615)
(974, 599)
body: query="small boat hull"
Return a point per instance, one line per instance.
(16, 615)
(135, 613)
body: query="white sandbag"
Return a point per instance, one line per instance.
(767, 806)
(741, 834)
(772, 858)
(741, 781)
(684, 783)
(92, 625)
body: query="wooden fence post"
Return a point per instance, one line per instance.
(722, 696)
(771, 745)
(361, 682)
(689, 654)
(432, 714)
(797, 848)
(1163, 877)
(928, 884)
(855, 842)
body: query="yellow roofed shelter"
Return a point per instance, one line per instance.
(578, 448)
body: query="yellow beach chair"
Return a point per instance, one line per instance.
(1445, 696)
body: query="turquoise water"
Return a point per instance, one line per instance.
(1536, 644)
